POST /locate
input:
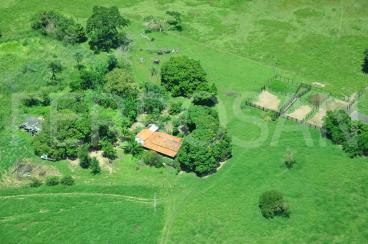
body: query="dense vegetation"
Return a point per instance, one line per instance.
(272, 204)
(352, 135)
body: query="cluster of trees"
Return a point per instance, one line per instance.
(53, 181)
(208, 143)
(183, 76)
(103, 28)
(352, 135)
(87, 162)
(60, 27)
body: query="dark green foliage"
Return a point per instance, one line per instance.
(55, 68)
(357, 142)
(337, 126)
(52, 181)
(109, 151)
(35, 182)
(182, 76)
(90, 78)
(204, 98)
(175, 107)
(365, 62)
(131, 106)
(60, 27)
(289, 160)
(272, 204)
(112, 63)
(72, 101)
(207, 145)
(174, 21)
(67, 181)
(133, 147)
(120, 82)
(107, 100)
(95, 166)
(84, 159)
(152, 158)
(79, 58)
(103, 28)
(154, 98)
(37, 99)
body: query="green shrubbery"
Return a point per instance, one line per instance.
(35, 182)
(67, 181)
(365, 62)
(60, 27)
(352, 135)
(152, 159)
(272, 204)
(52, 181)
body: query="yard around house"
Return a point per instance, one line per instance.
(239, 44)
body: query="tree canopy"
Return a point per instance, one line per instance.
(103, 29)
(182, 76)
(365, 62)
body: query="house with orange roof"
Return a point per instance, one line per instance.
(160, 142)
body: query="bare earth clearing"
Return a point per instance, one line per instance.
(268, 100)
(301, 112)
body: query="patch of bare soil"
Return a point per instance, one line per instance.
(317, 119)
(336, 104)
(24, 170)
(318, 84)
(301, 112)
(104, 162)
(268, 100)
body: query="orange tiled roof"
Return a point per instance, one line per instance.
(160, 142)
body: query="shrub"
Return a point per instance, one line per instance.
(109, 151)
(337, 126)
(272, 204)
(152, 159)
(95, 166)
(52, 181)
(175, 107)
(67, 181)
(35, 182)
(289, 160)
(133, 147)
(317, 99)
(85, 160)
(204, 98)
(365, 62)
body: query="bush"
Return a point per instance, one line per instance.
(133, 147)
(337, 126)
(365, 62)
(272, 204)
(35, 182)
(67, 181)
(152, 159)
(85, 160)
(95, 166)
(52, 181)
(204, 98)
(289, 160)
(317, 99)
(109, 151)
(175, 107)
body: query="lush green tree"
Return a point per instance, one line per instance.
(78, 56)
(103, 28)
(107, 100)
(95, 166)
(60, 27)
(133, 147)
(272, 204)
(337, 126)
(152, 158)
(52, 181)
(67, 181)
(357, 142)
(365, 62)
(84, 159)
(175, 107)
(109, 151)
(112, 62)
(204, 98)
(182, 76)
(154, 98)
(55, 68)
(120, 82)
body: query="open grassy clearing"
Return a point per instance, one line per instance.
(327, 190)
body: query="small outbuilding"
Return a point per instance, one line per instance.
(160, 142)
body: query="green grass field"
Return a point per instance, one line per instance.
(240, 44)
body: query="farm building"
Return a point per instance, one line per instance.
(160, 142)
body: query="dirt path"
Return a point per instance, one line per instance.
(268, 100)
(72, 194)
